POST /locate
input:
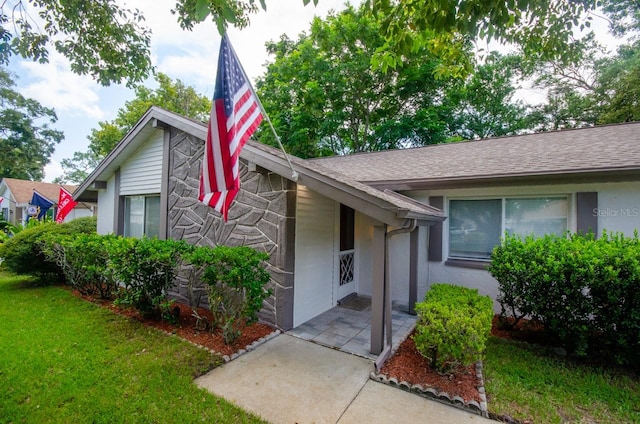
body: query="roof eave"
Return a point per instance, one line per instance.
(566, 176)
(379, 209)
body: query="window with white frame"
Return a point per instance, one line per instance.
(476, 225)
(142, 216)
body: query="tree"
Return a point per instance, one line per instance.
(541, 28)
(98, 37)
(25, 145)
(110, 43)
(598, 89)
(76, 169)
(171, 95)
(620, 82)
(624, 16)
(324, 98)
(484, 106)
(574, 98)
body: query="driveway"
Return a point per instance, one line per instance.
(289, 380)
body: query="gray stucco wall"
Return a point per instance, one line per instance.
(262, 217)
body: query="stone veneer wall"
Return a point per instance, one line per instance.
(262, 217)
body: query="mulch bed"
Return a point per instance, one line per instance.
(185, 327)
(408, 365)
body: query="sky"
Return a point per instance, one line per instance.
(191, 56)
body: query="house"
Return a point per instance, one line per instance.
(383, 225)
(16, 197)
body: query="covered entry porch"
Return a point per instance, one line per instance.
(343, 242)
(347, 327)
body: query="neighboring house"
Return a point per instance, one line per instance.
(384, 225)
(16, 197)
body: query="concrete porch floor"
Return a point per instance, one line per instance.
(350, 330)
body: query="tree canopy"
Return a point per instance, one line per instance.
(98, 37)
(174, 96)
(111, 43)
(324, 97)
(26, 139)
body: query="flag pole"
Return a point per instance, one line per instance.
(294, 174)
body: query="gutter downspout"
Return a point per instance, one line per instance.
(386, 352)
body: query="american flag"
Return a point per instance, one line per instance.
(235, 115)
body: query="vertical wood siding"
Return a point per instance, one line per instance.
(315, 256)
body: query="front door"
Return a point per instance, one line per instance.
(346, 257)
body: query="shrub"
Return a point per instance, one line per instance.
(146, 268)
(453, 325)
(586, 292)
(547, 279)
(235, 278)
(83, 259)
(83, 225)
(23, 254)
(615, 294)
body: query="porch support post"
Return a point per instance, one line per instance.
(377, 295)
(413, 270)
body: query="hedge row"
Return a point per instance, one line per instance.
(585, 291)
(139, 272)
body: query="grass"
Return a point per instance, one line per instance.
(525, 383)
(66, 360)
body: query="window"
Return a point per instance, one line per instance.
(476, 226)
(142, 216)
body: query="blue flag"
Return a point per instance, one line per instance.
(42, 203)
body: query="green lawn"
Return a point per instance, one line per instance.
(64, 360)
(522, 381)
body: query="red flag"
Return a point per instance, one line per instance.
(65, 205)
(235, 115)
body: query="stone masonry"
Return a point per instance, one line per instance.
(262, 217)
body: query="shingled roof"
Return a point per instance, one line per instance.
(22, 190)
(611, 149)
(392, 209)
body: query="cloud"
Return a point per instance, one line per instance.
(52, 170)
(192, 55)
(55, 86)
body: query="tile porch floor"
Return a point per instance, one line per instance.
(350, 330)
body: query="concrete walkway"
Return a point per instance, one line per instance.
(289, 380)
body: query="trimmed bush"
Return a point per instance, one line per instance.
(83, 259)
(586, 292)
(146, 269)
(453, 325)
(23, 254)
(547, 279)
(235, 278)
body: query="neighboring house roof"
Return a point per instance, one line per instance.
(608, 151)
(388, 208)
(22, 190)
